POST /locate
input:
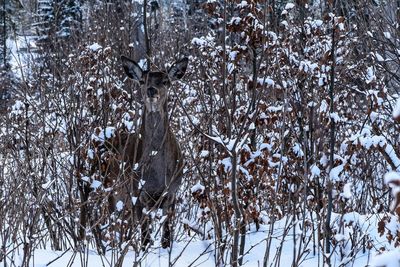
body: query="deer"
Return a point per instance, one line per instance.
(154, 151)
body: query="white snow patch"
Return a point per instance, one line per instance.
(265, 146)
(227, 164)
(370, 75)
(104, 134)
(392, 177)
(141, 184)
(324, 106)
(199, 42)
(317, 23)
(297, 150)
(335, 172)
(336, 118)
(119, 206)
(379, 57)
(204, 153)
(266, 80)
(315, 171)
(47, 185)
(197, 187)
(95, 47)
(347, 191)
(387, 35)
(235, 20)
(95, 184)
(396, 110)
(340, 237)
(387, 259)
(289, 6)
(373, 116)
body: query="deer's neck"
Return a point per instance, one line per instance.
(154, 130)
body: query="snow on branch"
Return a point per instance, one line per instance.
(396, 111)
(392, 179)
(382, 144)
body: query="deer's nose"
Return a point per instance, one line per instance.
(151, 92)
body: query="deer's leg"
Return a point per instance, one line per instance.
(144, 221)
(146, 239)
(168, 210)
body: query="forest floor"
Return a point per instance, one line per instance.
(286, 244)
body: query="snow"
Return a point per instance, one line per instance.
(204, 153)
(389, 150)
(20, 61)
(227, 164)
(235, 20)
(392, 177)
(104, 134)
(387, 259)
(141, 184)
(95, 47)
(396, 110)
(324, 107)
(95, 184)
(119, 206)
(242, 4)
(230, 66)
(265, 146)
(317, 23)
(387, 35)
(297, 150)
(199, 41)
(284, 22)
(335, 172)
(373, 116)
(379, 57)
(315, 171)
(233, 55)
(47, 185)
(193, 250)
(336, 118)
(368, 141)
(340, 237)
(197, 187)
(347, 191)
(370, 75)
(143, 64)
(289, 6)
(266, 80)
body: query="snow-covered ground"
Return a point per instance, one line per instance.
(284, 247)
(22, 53)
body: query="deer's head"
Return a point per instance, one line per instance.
(154, 84)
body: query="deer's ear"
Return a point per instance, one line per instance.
(178, 69)
(132, 69)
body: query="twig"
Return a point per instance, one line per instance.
(62, 254)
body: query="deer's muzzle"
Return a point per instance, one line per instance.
(151, 92)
